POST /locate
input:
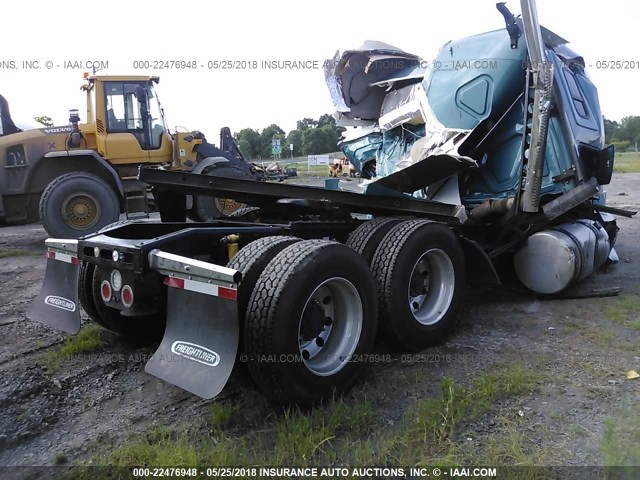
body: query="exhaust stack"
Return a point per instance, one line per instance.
(542, 84)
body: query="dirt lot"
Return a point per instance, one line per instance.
(526, 382)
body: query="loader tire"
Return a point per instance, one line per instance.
(311, 320)
(246, 213)
(420, 275)
(366, 238)
(143, 328)
(76, 204)
(208, 208)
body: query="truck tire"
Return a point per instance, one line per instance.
(251, 260)
(143, 328)
(311, 318)
(211, 208)
(76, 204)
(420, 275)
(85, 293)
(366, 238)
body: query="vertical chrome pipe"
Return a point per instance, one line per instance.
(542, 71)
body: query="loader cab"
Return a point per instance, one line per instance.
(129, 122)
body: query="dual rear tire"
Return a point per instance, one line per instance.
(309, 318)
(420, 273)
(309, 309)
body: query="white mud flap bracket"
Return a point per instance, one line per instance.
(57, 304)
(200, 342)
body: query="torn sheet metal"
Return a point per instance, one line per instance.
(434, 168)
(470, 101)
(349, 77)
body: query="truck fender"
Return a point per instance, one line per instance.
(480, 270)
(112, 176)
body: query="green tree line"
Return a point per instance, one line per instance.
(311, 137)
(624, 135)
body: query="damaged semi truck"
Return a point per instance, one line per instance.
(488, 159)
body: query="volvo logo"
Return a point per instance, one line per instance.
(60, 302)
(196, 353)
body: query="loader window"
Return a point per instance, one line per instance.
(125, 114)
(157, 122)
(123, 109)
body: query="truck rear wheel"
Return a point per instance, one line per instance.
(311, 319)
(85, 293)
(251, 260)
(366, 238)
(76, 204)
(421, 278)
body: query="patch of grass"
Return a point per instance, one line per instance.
(508, 446)
(635, 324)
(158, 447)
(17, 252)
(344, 431)
(301, 438)
(620, 443)
(436, 420)
(296, 438)
(622, 308)
(89, 339)
(602, 337)
(59, 458)
(221, 414)
(511, 447)
(627, 163)
(514, 380)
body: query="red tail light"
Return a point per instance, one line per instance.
(105, 291)
(127, 296)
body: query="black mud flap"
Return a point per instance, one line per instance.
(57, 304)
(200, 342)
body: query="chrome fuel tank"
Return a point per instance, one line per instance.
(552, 260)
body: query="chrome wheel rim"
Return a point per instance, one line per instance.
(330, 326)
(431, 286)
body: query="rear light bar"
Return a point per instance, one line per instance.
(62, 250)
(195, 275)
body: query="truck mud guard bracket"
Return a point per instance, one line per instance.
(198, 350)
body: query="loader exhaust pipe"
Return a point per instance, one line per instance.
(7, 127)
(542, 73)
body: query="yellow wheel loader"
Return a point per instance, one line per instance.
(80, 177)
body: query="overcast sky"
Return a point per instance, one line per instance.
(122, 32)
